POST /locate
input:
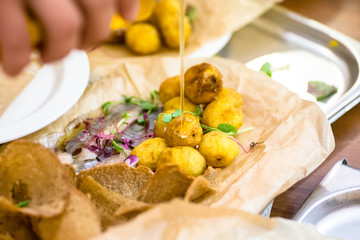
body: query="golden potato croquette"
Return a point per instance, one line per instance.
(230, 95)
(146, 9)
(220, 111)
(142, 38)
(148, 152)
(167, 17)
(188, 159)
(160, 125)
(169, 89)
(218, 149)
(189, 134)
(174, 103)
(203, 83)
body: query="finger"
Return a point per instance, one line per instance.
(98, 14)
(62, 21)
(128, 9)
(14, 38)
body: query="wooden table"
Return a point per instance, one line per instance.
(344, 16)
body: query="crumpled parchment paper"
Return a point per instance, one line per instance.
(295, 134)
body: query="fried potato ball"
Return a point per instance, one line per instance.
(117, 23)
(160, 125)
(143, 38)
(167, 16)
(230, 95)
(188, 159)
(169, 89)
(220, 111)
(203, 82)
(146, 9)
(174, 103)
(218, 149)
(148, 152)
(189, 134)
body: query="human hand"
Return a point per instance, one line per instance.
(67, 24)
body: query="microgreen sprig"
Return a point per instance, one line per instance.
(154, 96)
(118, 148)
(23, 203)
(225, 128)
(269, 69)
(124, 117)
(168, 117)
(105, 107)
(101, 142)
(149, 106)
(252, 145)
(191, 13)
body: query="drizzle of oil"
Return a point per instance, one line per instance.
(182, 58)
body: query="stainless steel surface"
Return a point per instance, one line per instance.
(334, 206)
(267, 210)
(281, 37)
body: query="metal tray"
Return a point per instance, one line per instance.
(282, 37)
(334, 206)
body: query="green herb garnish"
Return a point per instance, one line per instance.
(146, 105)
(198, 111)
(105, 107)
(225, 128)
(321, 90)
(154, 96)
(191, 13)
(167, 117)
(268, 69)
(141, 120)
(118, 148)
(177, 113)
(23, 203)
(149, 106)
(124, 117)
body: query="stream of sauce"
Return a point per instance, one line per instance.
(182, 60)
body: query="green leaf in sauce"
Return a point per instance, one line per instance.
(269, 69)
(266, 68)
(321, 90)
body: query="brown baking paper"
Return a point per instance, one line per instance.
(214, 19)
(11, 87)
(296, 135)
(180, 220)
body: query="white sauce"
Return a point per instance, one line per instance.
(303, 67)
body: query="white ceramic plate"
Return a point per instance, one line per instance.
(53, 91)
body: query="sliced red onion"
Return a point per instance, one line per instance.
(132, 160)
